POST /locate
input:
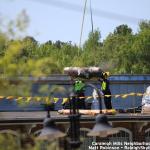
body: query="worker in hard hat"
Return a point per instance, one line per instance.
(106, 90)
(79, 88)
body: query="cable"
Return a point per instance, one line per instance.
(91, 15)
(82, 25)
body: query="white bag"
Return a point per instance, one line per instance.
(146, 101)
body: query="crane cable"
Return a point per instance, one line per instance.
(82, 24)
(91, 15)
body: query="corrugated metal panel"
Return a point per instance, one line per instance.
(130, 101)
(11, 105)
(130, 78)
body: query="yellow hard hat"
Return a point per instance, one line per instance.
(106, 74)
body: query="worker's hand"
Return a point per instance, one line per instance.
(102, 94)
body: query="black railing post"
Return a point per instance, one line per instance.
(74, 131)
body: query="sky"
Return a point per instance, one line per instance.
(62, 19)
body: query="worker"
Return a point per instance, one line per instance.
(79, 88)
(106, 90)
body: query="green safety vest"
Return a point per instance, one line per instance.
(103, 86)
(79, 86)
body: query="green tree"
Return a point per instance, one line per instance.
(3, 41)
(144, 25)
(141, 49)
(116, 49)
(123, 30)
(91, 49)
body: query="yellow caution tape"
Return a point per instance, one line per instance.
(56, 99)
(125, 96)
(89, 97)
(10, 97)
(29, 99)
(38, 99)
(47, 100)
(65, 100)
(140, 94)
(116, 96)
(131, 94)
(19, 98)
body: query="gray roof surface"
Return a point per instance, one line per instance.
(38, 117)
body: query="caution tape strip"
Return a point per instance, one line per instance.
(48, 100)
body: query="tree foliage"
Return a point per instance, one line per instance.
(14, 140)
(120, 52)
